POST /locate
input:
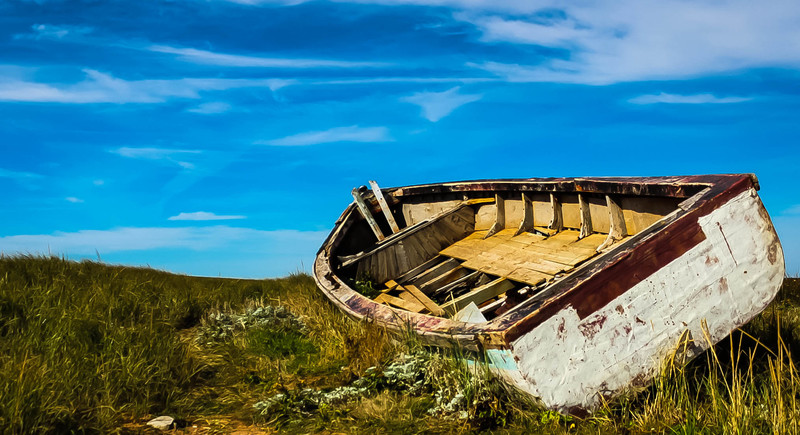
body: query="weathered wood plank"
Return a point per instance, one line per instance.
(469, 277)
(431, 306)
(558, 220)
(527, 216)
(586, 217)
(405, 232)
(436, 283)
(367, 214)
(421, 268)
(387, 212)
(528, 276)
(435, 271)
(460, 251)
(408, 305)
(500, 216)
(618, 229)
(478, 295)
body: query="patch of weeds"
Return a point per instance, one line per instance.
(220, 326)
(451, 390)
(366, 286)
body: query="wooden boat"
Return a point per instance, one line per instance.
(575, 288)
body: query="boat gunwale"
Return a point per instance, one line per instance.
(498, 332)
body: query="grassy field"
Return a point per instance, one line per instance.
(87, 347)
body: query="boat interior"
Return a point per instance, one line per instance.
(474, 256)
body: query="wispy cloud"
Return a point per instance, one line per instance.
(437, 105)
(175, 156)
(203, 216)
(211, 108)
(18, 175)
(339, 134)
(99, 87)
(204, 57)
(792, 211)
(28, 180)
(686, 99)
(138, 238)
(634, 40)
(73, 200)
(52, 31)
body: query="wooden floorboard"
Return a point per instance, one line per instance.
(528, 257)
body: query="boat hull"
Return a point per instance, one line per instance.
(682, 284)
(691, 302)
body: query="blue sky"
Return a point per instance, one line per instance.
(223, 137)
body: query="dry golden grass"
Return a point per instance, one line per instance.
(86, 347)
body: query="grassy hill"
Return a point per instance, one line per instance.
(87, 347)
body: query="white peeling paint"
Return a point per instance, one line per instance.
(725, 281)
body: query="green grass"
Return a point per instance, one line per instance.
(91, 348)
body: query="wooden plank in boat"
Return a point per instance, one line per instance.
(436, 270)
(528, 276)
(478, 295)
(420, 255)
(431, 306)
(505, 234)
(439, 281)
(421, 268)
(528, 238)
(460, 251)
(481, 234)
(394, 301)
(387, 212)
(401, 258)
(591, 241)
(542, 265)
(412, 301)
(563, 256)
(481, 244)
(562, 237)
(546, 231)
(491, 264)
(469, 279)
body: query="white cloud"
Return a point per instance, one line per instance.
(73, 200)
(635, 40)
(137, 239)
(686, 99)
(158, 154)
(5, 173)
(103, 88)
(437, 105)
(204, 57)
(203, 216)
(211, 108)
(51, 31)
(98, 182)
(792, 211)
(339, 134)
(29, 180)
